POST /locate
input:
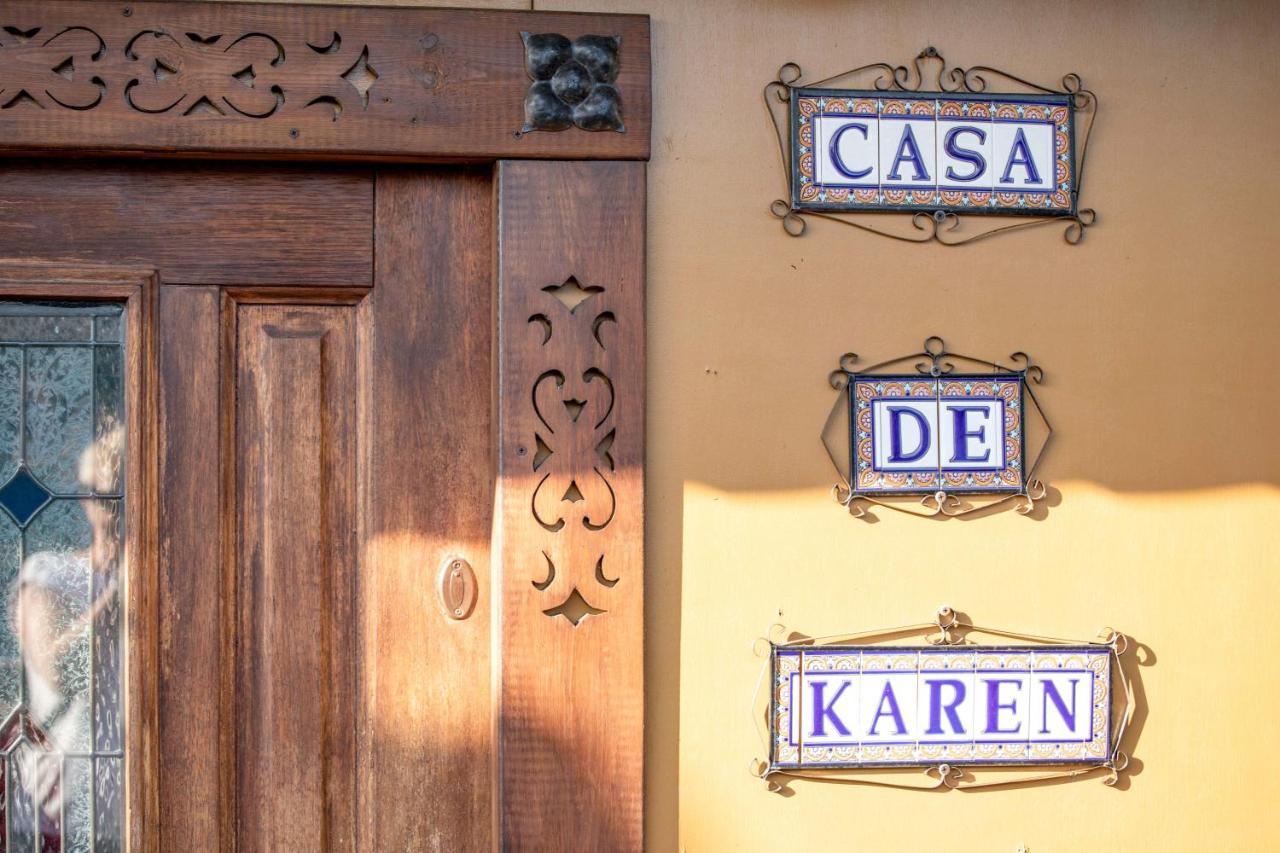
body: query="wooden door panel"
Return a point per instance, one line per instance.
(191, 584)
(334, 421)
(295, 447)
(406, 392)
(196, 223)
(427, 759)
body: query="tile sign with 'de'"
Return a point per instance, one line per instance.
(923, 434)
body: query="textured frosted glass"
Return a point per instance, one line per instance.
(77, 803)
(108, 806)
(10, 658)
(62, 428)
(59, 416)
(58, 565)
(108, 329)
(108, 395)
(107, 630)
(45, 329)
(10, 411)
(21, 779)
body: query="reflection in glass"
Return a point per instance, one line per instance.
(62, 449)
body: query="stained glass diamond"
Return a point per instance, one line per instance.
(23, 496)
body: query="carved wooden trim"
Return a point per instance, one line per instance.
(571, 454)
(321, 81)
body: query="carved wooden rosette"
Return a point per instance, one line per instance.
(571, 270)
(314, 80)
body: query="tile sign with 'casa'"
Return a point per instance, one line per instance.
(886, 706)
(984, 153)
(922, 434)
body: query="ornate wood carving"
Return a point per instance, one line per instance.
(320, 80)
(571, 349)
(574, 401)
(162, 69)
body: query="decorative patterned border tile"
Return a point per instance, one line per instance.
(792, 666)
(811, 104)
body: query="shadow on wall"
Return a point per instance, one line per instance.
(1116, 427)
(1153, 333)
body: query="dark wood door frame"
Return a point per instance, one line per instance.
(328, 83)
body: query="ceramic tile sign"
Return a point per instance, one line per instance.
(958, 434)
(987, 153)
(896, 706)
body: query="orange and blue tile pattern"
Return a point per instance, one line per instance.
(963, 153)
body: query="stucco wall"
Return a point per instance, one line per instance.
(1157, 337)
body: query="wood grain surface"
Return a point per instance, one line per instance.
(293, 705)
(327, 443)
(426, 704)
(201, 223)
(189, 667)
(234, 79)
(571, 277)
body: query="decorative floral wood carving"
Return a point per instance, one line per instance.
(573, 400)
(195, 73)
(265, 80)
(56, 68)
(187, 73)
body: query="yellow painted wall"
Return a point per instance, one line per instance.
(1158, 338)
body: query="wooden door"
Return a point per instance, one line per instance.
(341, 392)
(337, 399)
(351, 511)
(323, 446)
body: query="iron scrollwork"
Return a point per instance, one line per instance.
(935, 361)
(929, 74)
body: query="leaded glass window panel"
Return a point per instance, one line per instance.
(62, 436)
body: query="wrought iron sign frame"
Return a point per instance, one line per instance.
(948, 629)
(935, 361)
(943, 225)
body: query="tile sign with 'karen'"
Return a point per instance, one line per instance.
(885, 706)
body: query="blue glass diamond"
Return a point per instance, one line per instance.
(23, 496)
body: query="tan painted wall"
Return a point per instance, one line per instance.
(1157, 335)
